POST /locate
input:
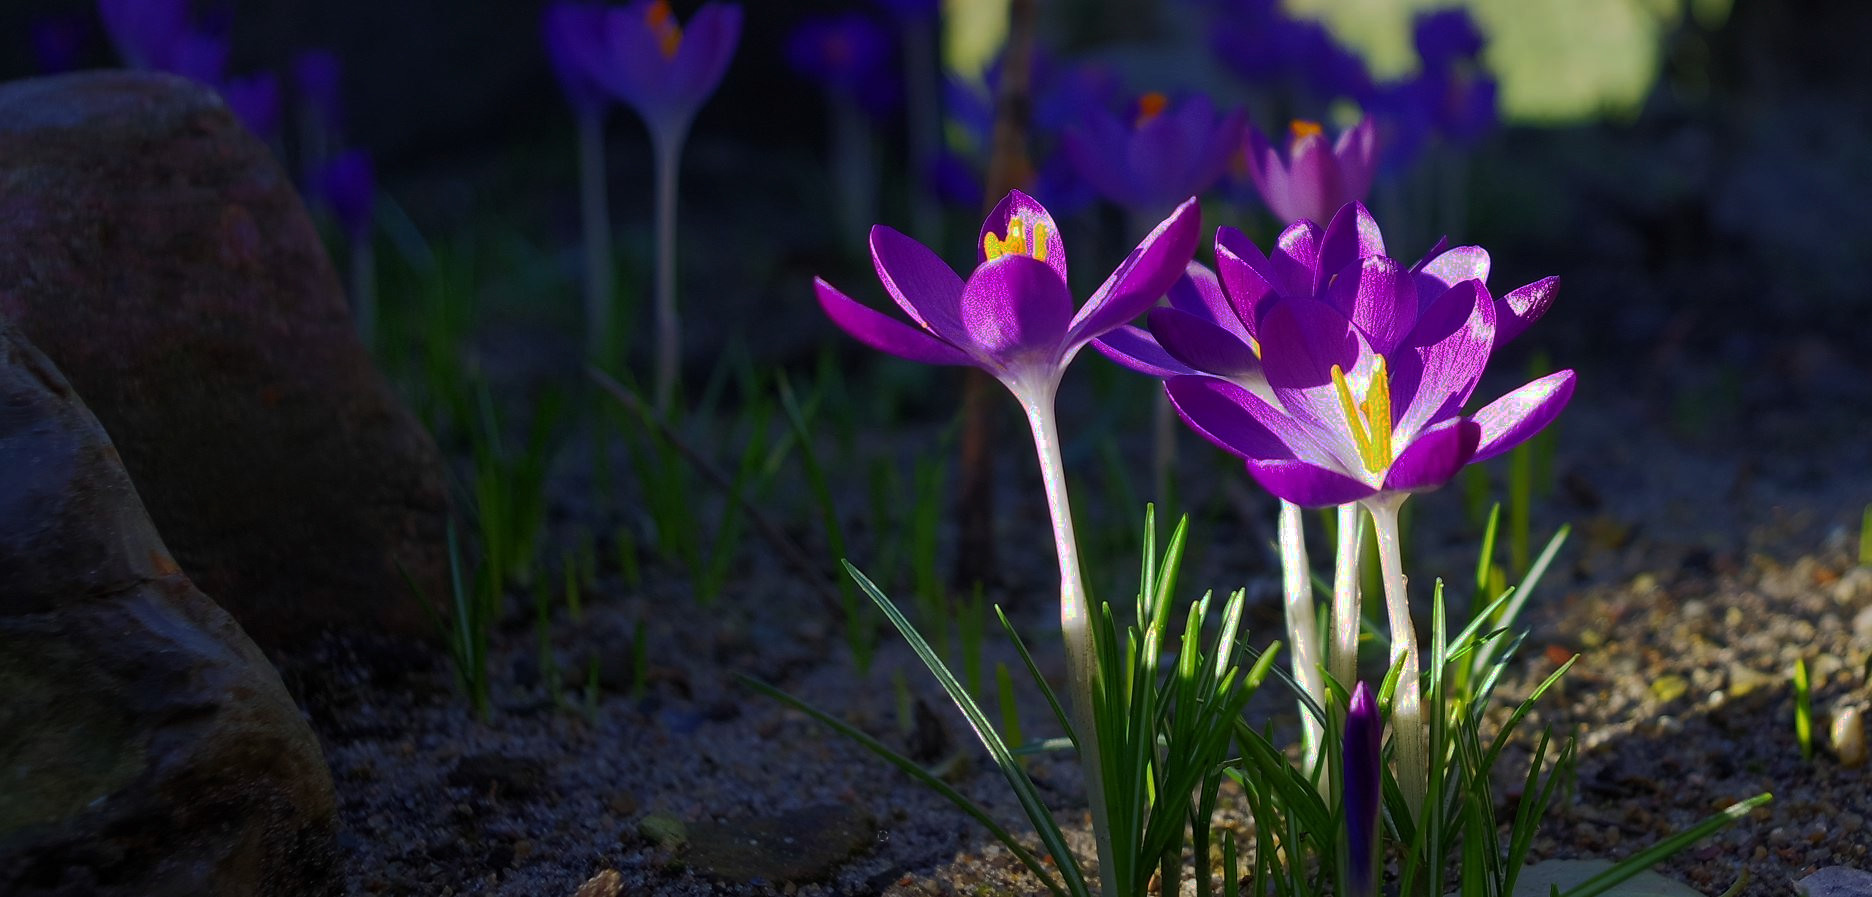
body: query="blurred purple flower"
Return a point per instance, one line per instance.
(1013, 317)
(145, 32)
(1446, 36)
(1364, 786)
(317, 78)
(665, 71)
(1369, 365)
(574, 40)
(1063, 94)
(1313, 178)
(348, 184)
(1265, 47)
(1166, 151)
(255, 100)
(851, 55)
(58, 42)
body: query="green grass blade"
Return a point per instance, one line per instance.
(1663, 850)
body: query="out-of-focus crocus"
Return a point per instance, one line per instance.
(1164, 151)
(1265, 48)
(255, 99)
(848, 55)
(661, 67)
(318, 81)
(1314, 177)
(665, 70)
(574, 34)
(1364, 785)
(145, 32)
(348, 184)
(58, 42)
(1446, 36)
(1013, 318)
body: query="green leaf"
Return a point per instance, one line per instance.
(1539, 880)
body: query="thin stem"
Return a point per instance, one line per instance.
(668, 143)
(1302, 624)
(595, 222)
(1343, 661)
(1407, 712)
(1075, 622)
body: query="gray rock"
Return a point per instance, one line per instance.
(156, 252)
(146, 746)
(796, 847)
(1835, 881)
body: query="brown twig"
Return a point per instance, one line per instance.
(789, 550)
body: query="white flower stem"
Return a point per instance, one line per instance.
(668, 143)
(1075, 623)
(1407, 711)
(1343, 661)
(1302, 625)
(595, 222)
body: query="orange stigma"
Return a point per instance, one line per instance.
(1303, 129)
(1150, 106)
(662, 23)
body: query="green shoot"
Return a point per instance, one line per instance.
(1010, 713)
(542, 631)
(860, 637)
(475, 604)
(1865, 538)
(971, 626)
(1803, 710)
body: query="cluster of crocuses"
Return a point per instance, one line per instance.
(1338, 374)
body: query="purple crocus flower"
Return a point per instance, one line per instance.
(1165, 151)
(1013, 317)
(349, 185)
(318, 77)
(1313, 178)
(661, 68)
(255, 100)
(58, 42)
(144, 31)
(849, 54)
(574, 38)
(1369, 364)
(1446, 36)
(1364, 785)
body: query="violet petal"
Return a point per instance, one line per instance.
(1511, 419)
(1144, 276)
(1308, 485)
(1131, 346)
(1033, 216)
(884, 333)
(1014, 308)
(921, 283)
(1434, 456)
(1202, 345)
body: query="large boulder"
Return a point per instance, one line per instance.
(159, 255)
(146, 746)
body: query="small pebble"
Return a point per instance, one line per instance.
(1848, 735)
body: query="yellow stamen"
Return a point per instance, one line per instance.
(1370, 419)
(662, 23)
(1150, 106)
(1015, 243)
(1302, 128)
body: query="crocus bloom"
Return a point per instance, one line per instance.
(662, 68)
(1314, 177)
(1164, 151)
(1364, 785)
(1446, 36)
(573, 33)
(349, 185)
(255, 100)
(1013, 316)
(145, 32)
(849, 55)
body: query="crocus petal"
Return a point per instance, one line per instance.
(1351, 237)
(1144, 276)
(1447, 269)
(1357, 150)
(1032, 215)
(1131, 346)
(1308, 485)
(708, 44)
(1441, 361)
(1523, 306)
(635, 70)
(1016, 311)
(1313, 173)
(1240, 422)
(1377, 295)
(1202, 345)
(1302, 340)
(1267, 171)
(921, 283)
(1246, 276)
(1511, 419)
(884, 333)
(1295, 258)
(1434, 457)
